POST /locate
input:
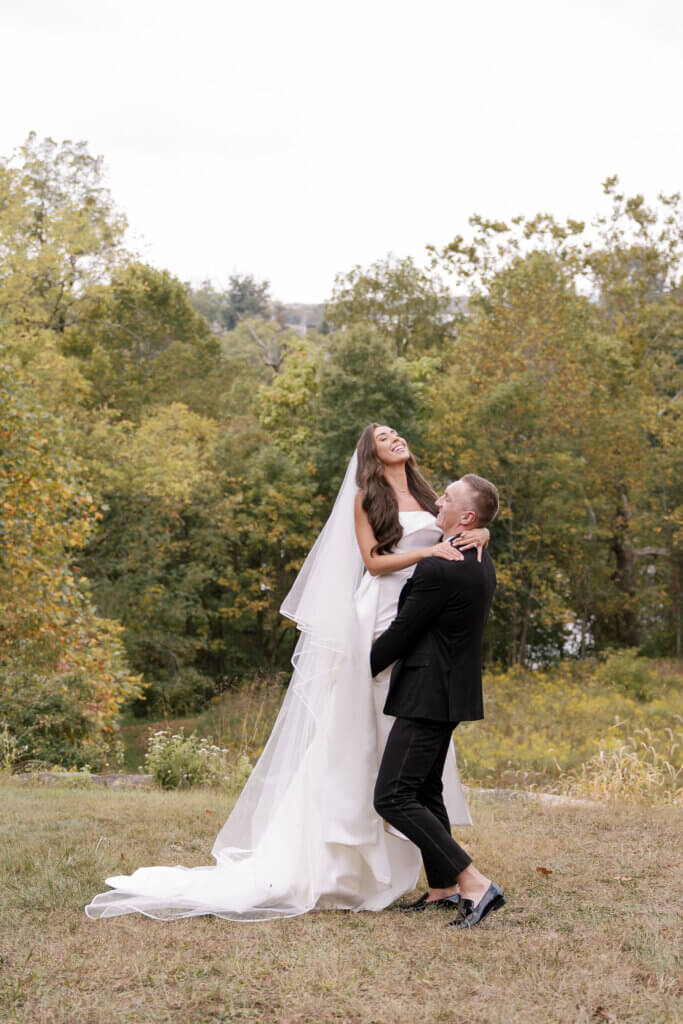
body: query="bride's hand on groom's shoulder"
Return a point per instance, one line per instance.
(446, 550)
(478, 539)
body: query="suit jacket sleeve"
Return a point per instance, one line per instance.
(425, 600)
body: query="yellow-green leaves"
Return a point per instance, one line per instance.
(167, 456)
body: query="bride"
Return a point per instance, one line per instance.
(303, 834)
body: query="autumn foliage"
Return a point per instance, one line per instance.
(169, 454)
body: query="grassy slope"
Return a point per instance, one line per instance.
(593, 941)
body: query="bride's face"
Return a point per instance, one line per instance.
(391, 449)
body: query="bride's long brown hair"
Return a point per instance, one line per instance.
(379, 499)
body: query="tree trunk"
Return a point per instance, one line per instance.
(521, 650)
(626, 625)
(676, 587)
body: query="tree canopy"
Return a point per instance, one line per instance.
(169, 454)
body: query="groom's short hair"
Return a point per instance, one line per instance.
(485, 498)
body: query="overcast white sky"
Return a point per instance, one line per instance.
(293, 140)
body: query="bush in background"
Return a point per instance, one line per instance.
(177, 761)
(8, 749)
(49, 720)
(540, 725)
(632, 675)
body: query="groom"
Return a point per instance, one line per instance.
(435, 641)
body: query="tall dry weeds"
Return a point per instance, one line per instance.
(645, 768)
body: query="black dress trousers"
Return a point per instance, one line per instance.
(409, 795)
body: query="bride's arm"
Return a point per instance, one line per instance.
(476, 538)
(378, 564)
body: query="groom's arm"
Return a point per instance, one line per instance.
(424, 602)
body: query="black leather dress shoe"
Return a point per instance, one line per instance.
(469, 915)
(423, 903)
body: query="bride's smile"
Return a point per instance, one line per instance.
(391, 448)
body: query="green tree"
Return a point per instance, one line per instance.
(406, 305)
(244, 298)
(151, 479)
(506, 408)
(360, 382)
(140, 342)
(330, 387)
(60, 232)
(63, 676)
(635, 270)
(631, 265)
(196, 550)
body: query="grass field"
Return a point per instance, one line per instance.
(592, 941)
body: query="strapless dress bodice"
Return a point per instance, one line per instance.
(378, 595)
(419, 531)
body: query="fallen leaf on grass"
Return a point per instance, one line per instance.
(602, 1013)
(544, 871)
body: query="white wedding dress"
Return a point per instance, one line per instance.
(303, 834)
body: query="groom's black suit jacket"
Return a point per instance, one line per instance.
(436, 640)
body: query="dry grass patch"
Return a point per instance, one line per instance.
(592, 940)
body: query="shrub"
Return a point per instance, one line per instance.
(229, 736)
(184, 693)
(8, 749)
(177, 761)
(629, 673)
(52, 721)
(240, 772)
(541, 724)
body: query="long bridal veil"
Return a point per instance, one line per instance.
(302, 833)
